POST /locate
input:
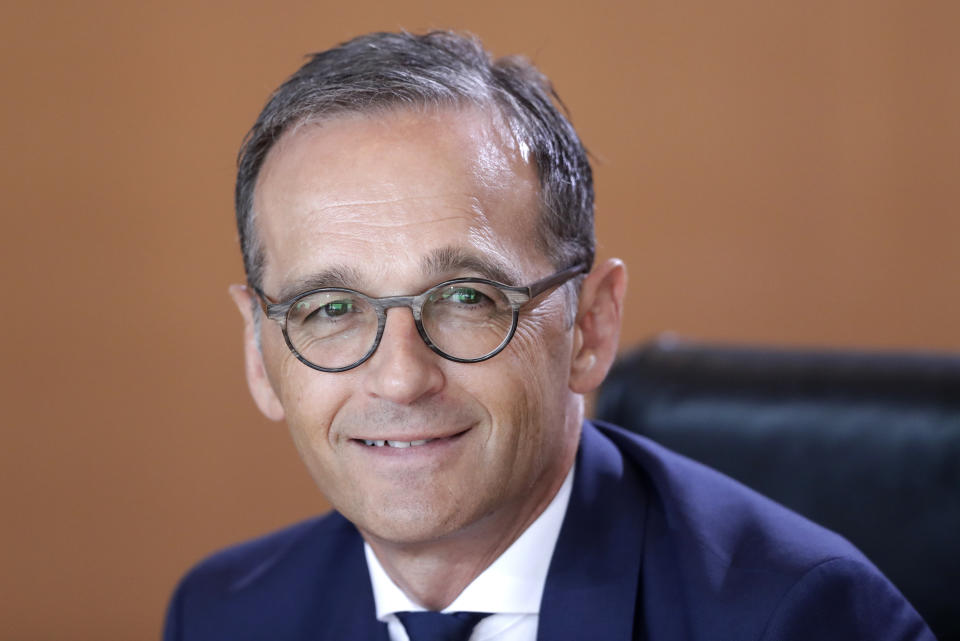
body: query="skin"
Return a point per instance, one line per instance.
(393, 204)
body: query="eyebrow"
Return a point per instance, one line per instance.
(445, 262)
(335, 276)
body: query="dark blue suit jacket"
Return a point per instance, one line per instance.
(654, 546)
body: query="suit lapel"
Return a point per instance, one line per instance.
(345, 607)
(592, 585)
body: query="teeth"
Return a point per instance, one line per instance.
(399, 444)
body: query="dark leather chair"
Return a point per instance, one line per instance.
(866, 444)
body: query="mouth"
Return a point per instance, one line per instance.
(398, 444)
(401, 445)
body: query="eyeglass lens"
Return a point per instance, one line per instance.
(336, 328)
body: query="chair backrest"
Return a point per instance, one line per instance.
(866, 444)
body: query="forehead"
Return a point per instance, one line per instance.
(374, 195)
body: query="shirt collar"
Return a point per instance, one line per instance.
(513, 583)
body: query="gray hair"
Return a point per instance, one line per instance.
(442, 69)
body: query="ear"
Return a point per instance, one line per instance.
(597, 327)
(260, 387)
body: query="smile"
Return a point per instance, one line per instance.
(402, 445)
(398, 444)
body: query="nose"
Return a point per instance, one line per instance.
(403, 369)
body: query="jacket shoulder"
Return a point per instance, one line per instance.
(746, 567)
(244, 563)
(723, 518)
(841, 600)
(265, 584)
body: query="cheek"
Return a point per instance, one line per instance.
(310, 400)
(292, 381)
(541, 353)
(291, 385)
(531, 383)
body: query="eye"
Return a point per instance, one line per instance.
(320, 309)
(337, 308)
(462, 295)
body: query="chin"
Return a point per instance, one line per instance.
(410, 524)
(406, 531)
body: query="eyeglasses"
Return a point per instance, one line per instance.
(466, 320)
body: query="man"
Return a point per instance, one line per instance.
(424, 312)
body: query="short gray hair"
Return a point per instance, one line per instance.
(443, 69)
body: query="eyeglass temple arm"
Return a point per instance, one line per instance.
(537, 288)
(265, 301)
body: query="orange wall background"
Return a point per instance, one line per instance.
(772, 172)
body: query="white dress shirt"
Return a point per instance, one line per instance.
(510, 588)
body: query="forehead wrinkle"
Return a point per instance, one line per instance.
(363, 221)
(367, 202)
(356, 212)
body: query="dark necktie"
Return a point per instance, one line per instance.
(436, 626)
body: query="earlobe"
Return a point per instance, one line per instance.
(597, 331)
(257, 380)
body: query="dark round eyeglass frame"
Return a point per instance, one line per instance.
(518, 297)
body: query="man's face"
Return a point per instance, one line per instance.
(392, 204)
